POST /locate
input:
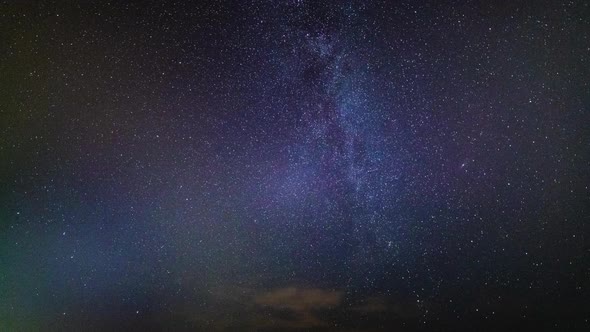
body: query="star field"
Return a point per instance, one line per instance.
(295, 166)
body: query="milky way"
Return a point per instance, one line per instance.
(295, 165)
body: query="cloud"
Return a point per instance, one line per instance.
(293, 307)
(300, 299)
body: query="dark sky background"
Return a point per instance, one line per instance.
(294, 165)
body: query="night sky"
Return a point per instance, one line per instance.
(295, 165)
